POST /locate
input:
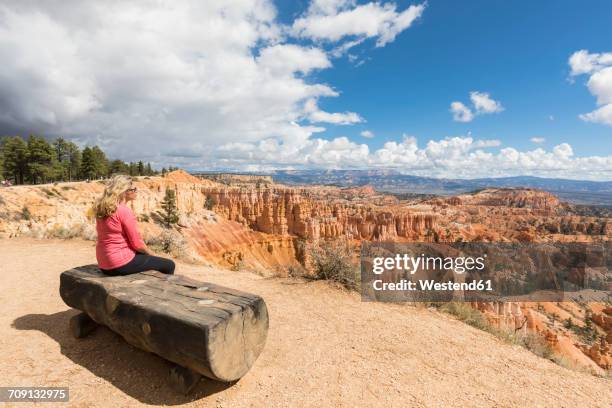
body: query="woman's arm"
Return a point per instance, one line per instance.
(144, 250)
(130, 228)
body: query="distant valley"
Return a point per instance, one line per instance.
(575, 191)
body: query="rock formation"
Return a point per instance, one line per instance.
(252, 222)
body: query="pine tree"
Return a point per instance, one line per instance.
(60, 150)
(148, 170)
(209, 203)
(2, 140)
(15, 152)
(140, 168)
(88, 166)
(40, 159)
(119, 167)
(73, 161)
(100, 162)
(170, 215)
(554, 317)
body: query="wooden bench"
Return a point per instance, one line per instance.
(203, 328)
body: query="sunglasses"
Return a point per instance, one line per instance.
(132, 190)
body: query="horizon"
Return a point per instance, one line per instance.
(272, 171)
(426, 88)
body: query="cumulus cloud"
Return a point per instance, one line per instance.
(367, 134)
(599, 67)
(482, 104)
(461, 156)
(287, 59)
(583, 62)
(601, 115)
(461, 113)
(224, 88)
(314, 114)
(126, 76)
(336, 20)
(537, 140)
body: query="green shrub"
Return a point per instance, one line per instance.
(48, 192)
(209, 204)
(26, 214)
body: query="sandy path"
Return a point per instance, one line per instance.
(324, 348)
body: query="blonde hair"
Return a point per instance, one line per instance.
(106, 205)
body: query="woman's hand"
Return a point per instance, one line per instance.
(145, 250)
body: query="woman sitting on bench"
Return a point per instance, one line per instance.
(120, 250)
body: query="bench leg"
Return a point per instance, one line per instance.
(81, 325)
(183, 379)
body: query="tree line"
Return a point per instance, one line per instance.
(36, 160)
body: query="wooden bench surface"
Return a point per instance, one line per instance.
(214, 330)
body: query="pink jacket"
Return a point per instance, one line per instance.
(118, 238)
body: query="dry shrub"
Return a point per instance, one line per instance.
(538, 346)
(333, 260)
(532, 341)
(170, 242)
(80, 230)
(466, 314)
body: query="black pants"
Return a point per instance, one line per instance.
(143, 262)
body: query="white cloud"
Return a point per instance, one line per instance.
(482, 104)
(599, 67)
(537, 140)
(335, 20)
(583, 62)
(329, 6)
(316, 115)
(127, 77)
(221, 89)
(461, 113)
(286, 59)
(453, 157)
(367, 134)
(601, 115)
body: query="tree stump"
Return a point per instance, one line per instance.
(209, 329)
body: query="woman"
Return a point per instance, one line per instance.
(120, 250)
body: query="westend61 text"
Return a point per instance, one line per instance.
(480, 285)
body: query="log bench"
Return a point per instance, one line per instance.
(203, 328)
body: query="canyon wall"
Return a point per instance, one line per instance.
(300, 212)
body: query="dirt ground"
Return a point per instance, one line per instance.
(325, 348)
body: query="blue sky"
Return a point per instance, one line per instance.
(516, 50)
(440, 88)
